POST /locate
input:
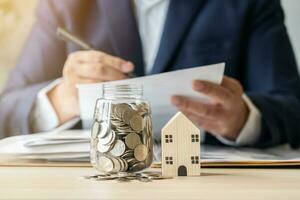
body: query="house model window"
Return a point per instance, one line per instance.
(195, 138)
(169, 138)
(169, 160)
(195, 159)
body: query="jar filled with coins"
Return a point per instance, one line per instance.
(121, 139)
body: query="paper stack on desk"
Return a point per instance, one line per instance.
(73, 146)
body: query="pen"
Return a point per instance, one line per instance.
(69, 37)
(66, 36)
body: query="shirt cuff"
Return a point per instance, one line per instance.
(250, 133)
(43, 116)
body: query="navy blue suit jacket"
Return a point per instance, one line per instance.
(248, 35)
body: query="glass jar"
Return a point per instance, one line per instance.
(121, 138)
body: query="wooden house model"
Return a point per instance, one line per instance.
(180, 141)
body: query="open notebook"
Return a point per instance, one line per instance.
(72, 146)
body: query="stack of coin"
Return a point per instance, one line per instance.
(122, 137)
(126, 177)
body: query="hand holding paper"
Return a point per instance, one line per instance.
(158, 90)
(225, 115)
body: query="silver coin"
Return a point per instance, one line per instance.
(109, 139)
(132, 140)
(103, 129)
(141, 152)
(93, 143)
(128, 154)
(123, 179)
(144, 179)
(131, 161)
(118, 149)
(103, 148)
(117, 164)
(125, 164)
(106, 164)
(137, 167)
(95, 129)
(122, 165)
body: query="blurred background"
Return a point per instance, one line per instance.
(17, 18)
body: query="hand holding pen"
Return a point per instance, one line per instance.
(114, 65)
(86, 66)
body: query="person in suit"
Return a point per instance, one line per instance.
(257, 103)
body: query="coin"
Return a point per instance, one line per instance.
(118, 149)
(146, 176)
(128, 154)
(93, 143)
(149, 160)
(137, 166)
(109, 139)
(136, 123)
(148, 125)
(117, 164)
(144, 179)
(120, 109)
(124, 138)
(95, 129)
(132, 140)
(123, 179)
(141, 152)
(127, 115)
(103, 127)
(103, 148)
(106, 163)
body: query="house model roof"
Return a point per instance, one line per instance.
(179, 117)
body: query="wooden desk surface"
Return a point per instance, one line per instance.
(66, 183)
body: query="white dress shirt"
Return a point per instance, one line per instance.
(151, 16)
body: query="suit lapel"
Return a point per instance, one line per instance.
(179, 19)
(123, 31)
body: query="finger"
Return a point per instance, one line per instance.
(83, 80)
(197, 120)
(215, 91)
(208, 111)
(101, 57)
(233, 85)
(213, 126)
(99, 71)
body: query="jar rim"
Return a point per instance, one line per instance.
(122, 91)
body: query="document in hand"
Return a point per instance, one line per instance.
(158, 90)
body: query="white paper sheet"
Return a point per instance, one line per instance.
(68, 149)
(51, 143)
(158, 90)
